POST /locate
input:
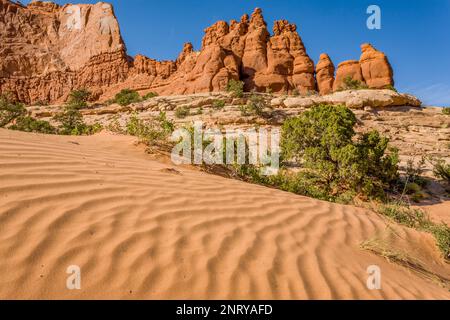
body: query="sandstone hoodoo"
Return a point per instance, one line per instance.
(48, 50)
(325, 74)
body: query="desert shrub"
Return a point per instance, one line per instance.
(244, 111)
(236, 88)
(323, 139)
(9, 111)
(41, 103)
(441, 233)
(30, 124)
(295, 92)
(412, 218)
(182, 112)
(311, 93)
(72, 123)
(149, 95)
(158, 129)
(256, 106)
(350, 84)
(414, 172)
(391, 87)
(446, 111)
(127, 97)
(442, 170)
(218, 104)
(417, 219)
(79, 98)
(114, 125)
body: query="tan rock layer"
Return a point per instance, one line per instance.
(48, 50)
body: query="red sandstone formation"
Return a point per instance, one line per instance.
(375, 67)
(350, 68)
(48, 50)
(325, 74)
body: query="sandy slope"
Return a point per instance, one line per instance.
(139, 230)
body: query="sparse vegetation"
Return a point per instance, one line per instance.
(442, 170)
(218, 104)
(391, 87)
(149, 95)
(79, 98)
(323, 140)
(127, 97)
(182, 112)
(446, 111)
(72, 123)
(256, 106)
(30, 124)
(351, 84)
(236, 88)
(149, 131)
(295, 92)
(9, 110)
(417, 219)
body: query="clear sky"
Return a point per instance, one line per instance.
(415, 34)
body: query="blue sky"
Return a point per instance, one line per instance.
(415, 34)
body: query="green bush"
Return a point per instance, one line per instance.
(417, 219)
(391, 87)
(158, 129)
(218, 104)
(442, 170)
(127, 97)
(182, 112)
(29, 124)
(149, 95)
(256, 106)
(323, 139)
(236, 88)
(350, 84)
(79, 98)
(72, 123)
(446, 111)
(9, 111)
(414, 172)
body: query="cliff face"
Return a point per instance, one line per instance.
(48, 50)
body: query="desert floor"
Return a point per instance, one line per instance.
(142, 229)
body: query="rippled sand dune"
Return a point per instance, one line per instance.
(143, 229)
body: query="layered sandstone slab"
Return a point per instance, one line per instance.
(354, 99)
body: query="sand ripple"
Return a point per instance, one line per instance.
(138, 230)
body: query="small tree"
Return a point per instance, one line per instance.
(218, 104)
(442, 170)
(79, 98)
(149, 95)
(30, 124)
(323, 140)
(10, 111)
(236, 88)
(127, 97)
(182, 112)
(351, 84)
(70, 119)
